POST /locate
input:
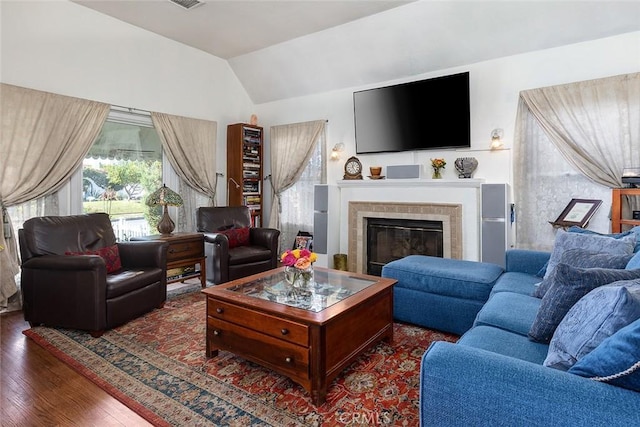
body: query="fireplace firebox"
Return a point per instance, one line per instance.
(391, 239)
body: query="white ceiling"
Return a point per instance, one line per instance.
(288, 48)
(229, 28)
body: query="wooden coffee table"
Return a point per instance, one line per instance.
(309, 336)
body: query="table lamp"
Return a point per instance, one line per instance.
(165, 196)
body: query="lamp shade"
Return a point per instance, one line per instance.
(164, 196)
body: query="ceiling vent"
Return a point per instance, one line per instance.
(187, 4)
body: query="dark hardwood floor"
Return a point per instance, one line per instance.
(36, 389)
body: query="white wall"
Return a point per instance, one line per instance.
(65, 48)
(494, 85)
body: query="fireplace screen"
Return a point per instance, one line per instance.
(391, 239)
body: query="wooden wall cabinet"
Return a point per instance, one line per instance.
(244, 168)
(616, 208)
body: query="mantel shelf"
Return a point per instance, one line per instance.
(460, 183)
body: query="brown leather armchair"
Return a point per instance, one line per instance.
(76, 291)
(225, 263)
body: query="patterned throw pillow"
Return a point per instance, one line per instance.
(634, 262)
(596, 317)
(110, 255)
(634, 231)
(615, 361)
(237, 236)
(590, 242)
(585, 259)
(569, 285)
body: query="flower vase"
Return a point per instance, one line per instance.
(436, 174)
(298, 278)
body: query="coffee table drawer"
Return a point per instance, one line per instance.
(185, 249)
(279, 355)
(283, 329)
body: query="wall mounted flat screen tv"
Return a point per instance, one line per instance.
(423, 115)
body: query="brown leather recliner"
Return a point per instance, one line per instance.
(76, 291)
(224, 263)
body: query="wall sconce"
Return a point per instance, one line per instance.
(496, 139)
(336, 150)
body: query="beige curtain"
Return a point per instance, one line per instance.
(572, 141)
(291, 147)
(43, 139)
(190, 146)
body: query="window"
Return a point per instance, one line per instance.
(122, 167)
(297, 201)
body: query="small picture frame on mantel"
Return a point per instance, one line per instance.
(578, 212)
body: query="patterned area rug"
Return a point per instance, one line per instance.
(156, 365)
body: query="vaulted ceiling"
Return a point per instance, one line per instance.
(283, 49)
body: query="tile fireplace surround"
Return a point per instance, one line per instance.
(454, 202)
(450, 215)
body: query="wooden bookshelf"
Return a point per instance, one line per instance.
(617, 221)
(244, 168)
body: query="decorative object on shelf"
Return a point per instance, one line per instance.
(164, 196)
(578, 212)
(298, 271)
(496, 139)
(465, 166)
(375, 172)
(437, 165)
(631, 177)
(352, 168)
(253, 120)
(336, 150)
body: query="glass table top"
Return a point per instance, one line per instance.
(325, 289)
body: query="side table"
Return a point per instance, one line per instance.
(185, 251)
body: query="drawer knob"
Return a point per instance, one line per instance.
(216, 332)
(284, 331)
(219, 310)
(288, 359)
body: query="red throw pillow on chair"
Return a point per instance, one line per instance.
(110, 255)
(237, 236)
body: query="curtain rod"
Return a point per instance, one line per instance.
(131, 109)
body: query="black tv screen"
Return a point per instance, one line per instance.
(423, 115)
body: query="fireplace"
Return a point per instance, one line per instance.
(391, 239)
(447, 216)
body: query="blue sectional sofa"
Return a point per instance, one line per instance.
(494, 374)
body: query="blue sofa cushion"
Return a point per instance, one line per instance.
(504, 342)
(616, 360)
(509, 311)
(597, 316)
(585, 259)
(569, 285)
(520, 283)
(444, 276)
(590, 242)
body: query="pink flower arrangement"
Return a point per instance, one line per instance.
(298, 258)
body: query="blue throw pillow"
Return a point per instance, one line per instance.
(635, 231)
(615, 361)
(590, 242)
(597, 316)
(569, 284)
(585, 259)
(634, 262)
